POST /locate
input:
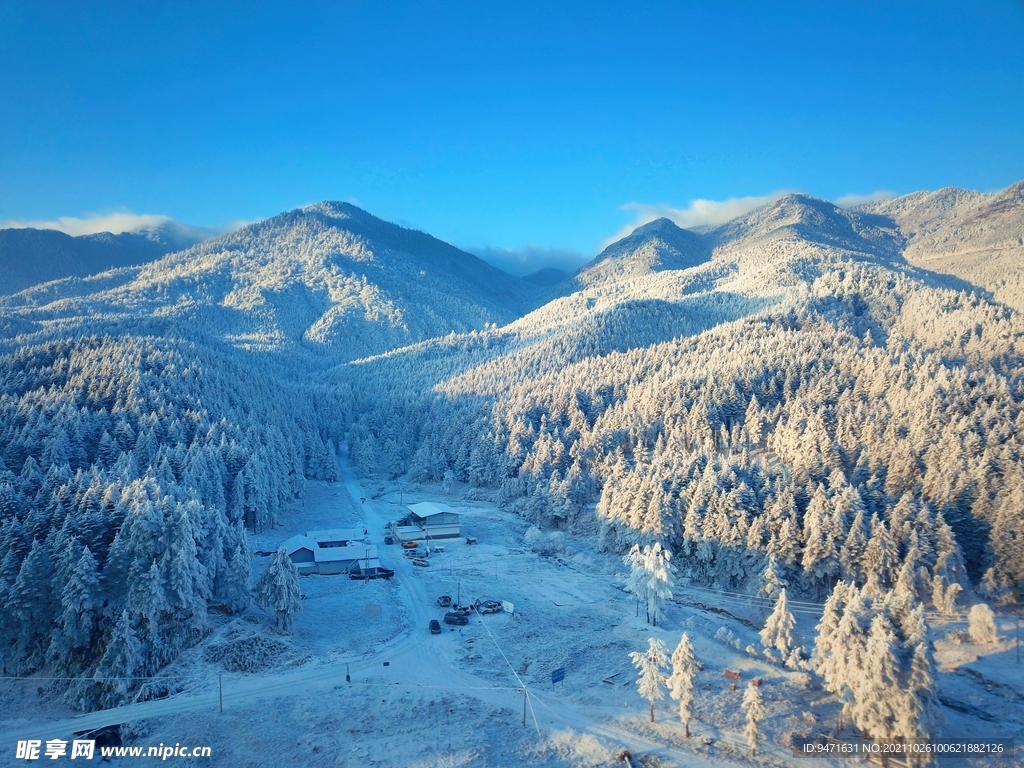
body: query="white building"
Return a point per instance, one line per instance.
(330, 554)
(428, 521)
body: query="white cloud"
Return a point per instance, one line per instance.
(115, 223)
(523, 261)
(848, 201)
(698, 212)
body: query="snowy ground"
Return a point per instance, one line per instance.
(456, 699)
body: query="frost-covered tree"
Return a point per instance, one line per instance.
(236, 589)
(636, 579)
(681, 682)
(981, 625)
(658, 565)
(649, 664)
(778, 629)
(81, 601)
(277, 588)
(753, 706)
(122, 663)
(771, 582)
(649, 577)
(877, 690)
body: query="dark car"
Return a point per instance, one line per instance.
(455, 618)
(363, 574)
(435, 627)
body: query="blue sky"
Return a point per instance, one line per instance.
(535, 130)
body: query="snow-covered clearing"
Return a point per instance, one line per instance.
(416, 699)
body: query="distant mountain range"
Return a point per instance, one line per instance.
(32, 256)
(333, 278)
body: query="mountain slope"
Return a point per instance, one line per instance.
(707, 406)
(32, 256)
(329, 278)
(977, 237)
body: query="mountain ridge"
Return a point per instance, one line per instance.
(30, 256)
(329, 277)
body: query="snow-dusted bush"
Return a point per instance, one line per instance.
(580, 749)
(728, 637)
(982, 625)
(546, 544)
(802, 680)
(247, 651)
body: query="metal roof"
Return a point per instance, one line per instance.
(336, 534)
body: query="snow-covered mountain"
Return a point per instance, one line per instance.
(788, 397)
(32, 256)
(329, 277)
(655, 247)
(796, 347)
(971, 235)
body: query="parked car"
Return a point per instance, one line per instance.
(435, 627)
(410, 544)
(444, 601)
(377, 572)
(420, 562)
(455, 618)
(488, 606)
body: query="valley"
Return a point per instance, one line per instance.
(808, 400)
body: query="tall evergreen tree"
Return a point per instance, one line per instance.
(278, 589)
(681, 682)
(649, 664)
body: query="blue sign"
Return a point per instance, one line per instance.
(558, 675)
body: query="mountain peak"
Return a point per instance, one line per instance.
(656, 246)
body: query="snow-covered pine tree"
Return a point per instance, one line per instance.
(771, 582)
(278, 589)
(649, 664)
(658, 565)
(636, 579)
(681, 682)
(778, 629)
(236, 590)
(122, 663)
(753, 706)
(922, 684)
(79, 614)
(878, 705)
(824, 659)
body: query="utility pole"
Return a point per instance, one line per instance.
(220, 688)
(524, 705)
